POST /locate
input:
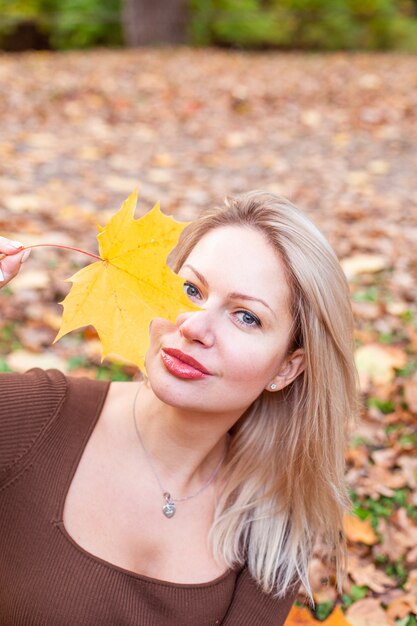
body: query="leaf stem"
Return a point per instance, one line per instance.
(53, 245)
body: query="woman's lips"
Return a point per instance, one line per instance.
(183, 365)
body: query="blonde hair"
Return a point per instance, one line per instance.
(284, 473)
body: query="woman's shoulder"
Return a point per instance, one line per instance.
(28, 403)
(251, 605)
(46, 386)
(36, 389)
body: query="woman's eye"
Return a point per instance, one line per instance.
(191, 290)
(247, 319)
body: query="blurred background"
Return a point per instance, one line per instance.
(195, 100)
(283, 24)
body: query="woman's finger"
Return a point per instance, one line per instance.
(9, 245)
(10, 259)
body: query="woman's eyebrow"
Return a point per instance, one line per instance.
(234, 295)
(197, 273)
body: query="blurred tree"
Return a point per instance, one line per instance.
(305, 24)
(59, 24)
(86, 23)
(148, 22)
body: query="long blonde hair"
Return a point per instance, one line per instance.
(284, 473)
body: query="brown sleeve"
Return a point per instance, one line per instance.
(28, 402)
(253, 607)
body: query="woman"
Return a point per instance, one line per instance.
(195, 497)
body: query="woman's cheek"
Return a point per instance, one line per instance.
(245, 364)
(258, 362)
(158, 328)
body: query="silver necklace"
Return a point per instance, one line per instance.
(169, 508)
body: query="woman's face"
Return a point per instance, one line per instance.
(239, 339)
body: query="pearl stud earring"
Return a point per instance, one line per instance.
(272, 386)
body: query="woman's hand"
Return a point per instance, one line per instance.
(10, 264)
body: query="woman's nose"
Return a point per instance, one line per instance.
(196, 326)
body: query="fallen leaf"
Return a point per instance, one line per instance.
(369, 81)
(396, 308)
(378, 166)
(359, 530)
(311, 118)
(368, 612)
(370, 432)
(52, 319)
(366, 310)
(376, 364)
(23, 360)
(408, 465)
(319, 576)
(399, 608)
(235, 139)
(386, 457)
(23, 202)
(367, 574)
(35, 337)
(411, 558)
(357, 457)
(118, 183)
(300, 616)
(357, 178)
(411, 587)
(385, 481)
(390, 595)
(394, 542)
(411, 584)
(31, 279)
(363, 263)
(337, 618)
(406, 527)
(410, 393)
(163, 159)
(132, 285)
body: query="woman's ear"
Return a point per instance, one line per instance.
(292, 366)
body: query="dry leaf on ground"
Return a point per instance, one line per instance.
(376, 363)
(359, 530)
(302, 617)
(367, 574)
(368, 612)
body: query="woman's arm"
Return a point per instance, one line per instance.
(253, 607)
(27, 401)
(28, 404)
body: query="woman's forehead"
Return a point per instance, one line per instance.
(242, 258)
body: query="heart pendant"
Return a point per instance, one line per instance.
(169, 507)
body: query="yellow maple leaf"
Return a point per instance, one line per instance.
(130, 286)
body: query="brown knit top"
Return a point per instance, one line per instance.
(46, 578)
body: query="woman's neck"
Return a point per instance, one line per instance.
(184, 447)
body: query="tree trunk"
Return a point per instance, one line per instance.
(148, 22)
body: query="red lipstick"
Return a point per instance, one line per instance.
(183, 365)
